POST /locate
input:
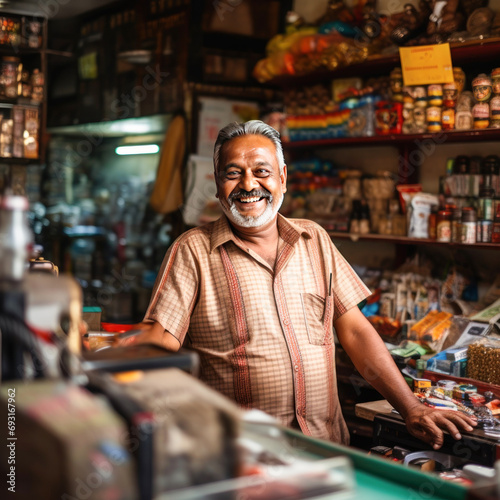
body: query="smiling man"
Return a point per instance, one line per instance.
(258, 296)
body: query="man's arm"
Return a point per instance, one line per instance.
(153, 333)
(374, 362)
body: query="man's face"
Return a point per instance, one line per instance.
(249, 185)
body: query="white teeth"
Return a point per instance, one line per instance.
(249, 200)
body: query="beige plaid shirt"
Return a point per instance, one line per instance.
(265, 336)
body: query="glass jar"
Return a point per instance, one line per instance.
(468, 228)
(495, 81)
(433, 115)
(443, 230)
(481, 88)
(481, 115)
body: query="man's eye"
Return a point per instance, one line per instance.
(262, 172)
(232, 174)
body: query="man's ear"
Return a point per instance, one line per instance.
(283, 179)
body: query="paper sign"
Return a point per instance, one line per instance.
(426, 64)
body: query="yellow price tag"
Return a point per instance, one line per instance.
(426, 64)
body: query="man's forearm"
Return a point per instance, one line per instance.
(373, 361)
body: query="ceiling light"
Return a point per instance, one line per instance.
(143, 149)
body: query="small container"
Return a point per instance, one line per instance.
(435, 95)
(465, 101)
(486, 196)
(448, 119)
(443, 230)
(495, 112)
(495, 81)
(481, 88)
(468, 229)
(484, 230)
(495, 229)
(456, 225)
(481, 115)
(432, 224)
(464, 120)
(420, 95)
(450, 95)
(421, 365)
(433, 115)
(459, 79)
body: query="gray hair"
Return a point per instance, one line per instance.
(252, 127)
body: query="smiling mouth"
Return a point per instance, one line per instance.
(253, 199)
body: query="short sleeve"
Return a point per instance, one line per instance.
(347, 287)
(175, 290)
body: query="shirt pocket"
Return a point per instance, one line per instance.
(318, 313)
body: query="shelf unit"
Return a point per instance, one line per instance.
(473, 56)
(405, 140)
(462, 54)
(32, 58)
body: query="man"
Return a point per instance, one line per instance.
(257, 296)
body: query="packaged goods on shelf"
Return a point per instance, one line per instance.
(484, 361)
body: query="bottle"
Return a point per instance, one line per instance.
(432, 226)
(469, 226)
(456, 225)
(486, 195)
(16, 239)
(495, 230)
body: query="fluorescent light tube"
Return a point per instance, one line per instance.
(142, 149)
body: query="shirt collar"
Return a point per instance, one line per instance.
(289, 232)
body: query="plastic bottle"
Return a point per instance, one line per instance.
(16, 240)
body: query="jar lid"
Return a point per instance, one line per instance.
(491, 165)
(481, 79)
(444, 213)
(461, 165)
(469, 215)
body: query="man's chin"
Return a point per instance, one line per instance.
(248, 221)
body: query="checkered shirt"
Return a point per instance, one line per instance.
(264, 336)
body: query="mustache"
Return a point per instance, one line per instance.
(261, 193)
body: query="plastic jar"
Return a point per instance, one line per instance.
(435, 95)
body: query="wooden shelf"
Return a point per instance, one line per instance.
(461, 54)
(446, 136)
(407, 241)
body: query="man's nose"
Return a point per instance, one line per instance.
(248, 182)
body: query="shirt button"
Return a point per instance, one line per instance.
(286, 322)
(296, 368)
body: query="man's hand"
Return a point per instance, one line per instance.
(428, 424)
(151, 333)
